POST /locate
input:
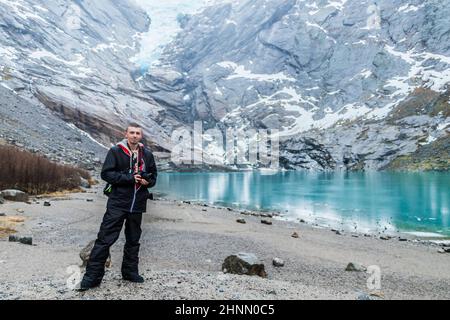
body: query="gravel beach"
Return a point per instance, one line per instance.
(183, 246)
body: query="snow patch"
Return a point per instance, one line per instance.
(84, 133)
(241, 72)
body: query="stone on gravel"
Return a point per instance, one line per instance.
(240, 221)
(47, 204)
(295, 235)
(24, 240)
(86, 252)
(277, 262)
(244, 263)
(355, 267)
(14, 195)
(264, 221)
(84, 183)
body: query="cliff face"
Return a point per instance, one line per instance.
(73, 57)
(348, 83)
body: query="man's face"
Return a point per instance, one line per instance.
(133, 135)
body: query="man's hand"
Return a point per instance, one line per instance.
(137, 178)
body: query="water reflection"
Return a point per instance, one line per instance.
(364, 202)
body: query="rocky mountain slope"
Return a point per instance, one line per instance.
(67, 85)
(347, 83)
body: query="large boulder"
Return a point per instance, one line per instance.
(86, 252)
(244, 263)
(14, 195)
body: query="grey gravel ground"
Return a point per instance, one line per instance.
(183, 247)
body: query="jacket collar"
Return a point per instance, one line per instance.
(124, 146)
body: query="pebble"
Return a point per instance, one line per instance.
(277, 262)
(355, 267)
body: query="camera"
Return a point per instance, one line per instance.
(145, 175)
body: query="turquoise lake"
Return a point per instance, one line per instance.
(417, 203)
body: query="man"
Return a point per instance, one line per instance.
(130, 169)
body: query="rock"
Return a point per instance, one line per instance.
(377, 294)
(20, 210)
(266, 215)
(90, 200)
(2, 214)
(14, 195)
(295, 235)
(24, 240)
(355, 267)
(244, 263)
(85, 183)
(2, 201)
(47, 204)
(229, 209)
(363, 296)
(402, 239)
(240, 220)
(277, 262)
(338, 232)
(302, 221)
(264, 221)
(385, 238)
(204, 210)
(86, 252)
(441, 250)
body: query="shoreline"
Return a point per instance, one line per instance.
(424, 237)
(184, 244)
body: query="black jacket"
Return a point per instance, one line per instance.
(127, 195)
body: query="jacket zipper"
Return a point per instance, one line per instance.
(134, 199)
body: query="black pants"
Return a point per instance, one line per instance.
(109, 232)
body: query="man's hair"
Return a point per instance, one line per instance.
(134, 125)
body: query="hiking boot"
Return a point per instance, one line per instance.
(87, 284)
(133, 278)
